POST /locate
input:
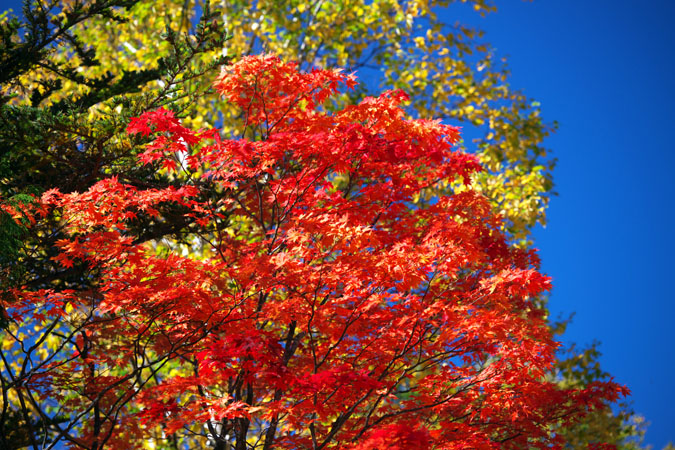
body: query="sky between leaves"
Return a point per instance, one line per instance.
(604, 70)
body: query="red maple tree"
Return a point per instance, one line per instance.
(315, 303)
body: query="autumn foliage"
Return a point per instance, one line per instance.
(314, 304)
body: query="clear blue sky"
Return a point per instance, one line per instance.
(605, 70)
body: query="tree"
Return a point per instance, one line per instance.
(324, 310)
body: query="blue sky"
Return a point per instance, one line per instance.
(605, 70)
